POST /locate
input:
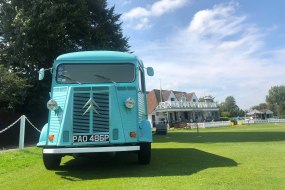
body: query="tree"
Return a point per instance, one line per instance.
(12, 89)
(276, 100)
(229, 107)
(261, 106)
(241, 112)
(33, 33)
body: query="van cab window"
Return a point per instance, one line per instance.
(68, 73)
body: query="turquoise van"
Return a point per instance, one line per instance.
(97, 104)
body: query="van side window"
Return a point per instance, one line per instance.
(141, 80)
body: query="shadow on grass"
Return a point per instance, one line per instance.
(216, 137)
(165, 162)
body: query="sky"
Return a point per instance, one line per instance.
(219, 48)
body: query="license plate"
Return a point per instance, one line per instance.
(90, 138)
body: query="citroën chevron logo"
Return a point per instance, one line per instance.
(91, 104)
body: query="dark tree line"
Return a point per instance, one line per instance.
(34, 32)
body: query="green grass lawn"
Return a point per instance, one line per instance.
(240, 157)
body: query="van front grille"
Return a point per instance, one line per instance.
(91, 112)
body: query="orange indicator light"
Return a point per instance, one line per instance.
(132, 134)
(51, 137)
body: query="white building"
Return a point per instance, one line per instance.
(175, 107)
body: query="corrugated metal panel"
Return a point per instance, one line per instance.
(81, 123)
(59, 95)
(141, 107)
(101, 119)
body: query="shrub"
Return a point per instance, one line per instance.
(224, 119)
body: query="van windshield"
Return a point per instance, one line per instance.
(95, 73)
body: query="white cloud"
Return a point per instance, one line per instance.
(139, 17)
(142, 24)
(225, 30)
(217, 20)
(136, 13)
(219, 53)
(163, 6)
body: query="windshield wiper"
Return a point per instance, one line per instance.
(105, 78)
(70, 79)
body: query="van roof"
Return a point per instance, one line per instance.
(97, 55)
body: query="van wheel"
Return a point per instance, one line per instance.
(51, 161)
(144, 154)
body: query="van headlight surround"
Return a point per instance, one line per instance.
(52, 105)
(130, 103)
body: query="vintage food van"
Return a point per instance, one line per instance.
(97, 104)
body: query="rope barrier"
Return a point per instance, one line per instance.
(3, 130)
(7, 128)
(22, 120)
(32, 125)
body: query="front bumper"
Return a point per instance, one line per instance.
(89, 149)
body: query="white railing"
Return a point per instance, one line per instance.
(216, 124)
(273, 120)
(176, 104)
(227, 123)
(270, 120)
(209, 124)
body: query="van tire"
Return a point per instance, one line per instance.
(51, 161)
(144, 154)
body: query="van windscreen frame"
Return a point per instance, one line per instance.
(95, 73)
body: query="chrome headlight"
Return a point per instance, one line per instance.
(130, 103)
(52, 105)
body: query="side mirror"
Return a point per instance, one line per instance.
(150, 71)
(41, 74)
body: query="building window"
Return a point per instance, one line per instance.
(194, 100)
(172, 99)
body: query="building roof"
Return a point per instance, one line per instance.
(165, 95)
(263, 111)
(179, 95)
(253, 112)
(189, 96)
(154, 97)
(266, 111)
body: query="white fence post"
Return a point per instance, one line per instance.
(22, 132)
